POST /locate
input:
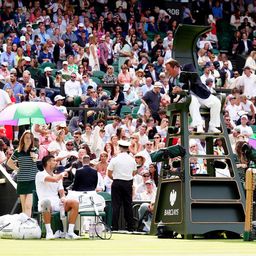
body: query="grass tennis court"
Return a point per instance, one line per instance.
(131, 245)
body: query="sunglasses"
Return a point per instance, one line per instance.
(156, 137)
(73, 76)
(69, 144)
(145, 175)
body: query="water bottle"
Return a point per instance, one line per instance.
(91, 230)
(62, 211)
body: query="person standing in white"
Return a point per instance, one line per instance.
(121, 170)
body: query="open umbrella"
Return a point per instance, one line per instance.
(30, 113)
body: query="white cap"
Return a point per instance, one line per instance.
(192, 142)
(244, 116)
(47, 69)
(149, 182)
(27, 59)
(65, 63)
(145, 171)
(13, 71)
(80, 25)
(139, 154)
(23, 39)
(103, 38)
(126, 87)
(5, 64)
(58, 97)
(158, 85)
(23, 30)
(124, 143)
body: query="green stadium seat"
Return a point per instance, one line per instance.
(99, 74)
(107, 91)
(66, 77)
(54, 72)
(35, 72)
(135, 112)
(96, 80)
(110, 121)
(115, 66)
(150, 35)
(35, 26)
(47, 64)
(137, 102)
(253, 128)
(125, 110)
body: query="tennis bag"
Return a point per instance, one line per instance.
(19, 226)
(88, 201)
(7, 222)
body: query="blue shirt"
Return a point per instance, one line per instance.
(44, 37)
(17, 88)
(8, 57)
(217, 12)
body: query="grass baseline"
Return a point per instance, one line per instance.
(125, 245)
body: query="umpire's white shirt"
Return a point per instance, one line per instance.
(122, 166)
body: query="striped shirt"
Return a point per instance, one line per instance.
(27, 167)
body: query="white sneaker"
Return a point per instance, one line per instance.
(199, 129)
(50, 236)
(72, 236)
(213, 130)
(59, 234)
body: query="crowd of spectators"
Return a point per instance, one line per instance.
(110, 55)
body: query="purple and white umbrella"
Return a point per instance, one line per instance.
(30, 113)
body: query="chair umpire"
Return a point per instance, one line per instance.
(121, 169)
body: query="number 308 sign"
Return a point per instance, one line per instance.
(174, 10)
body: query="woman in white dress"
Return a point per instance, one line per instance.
(93, 57)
